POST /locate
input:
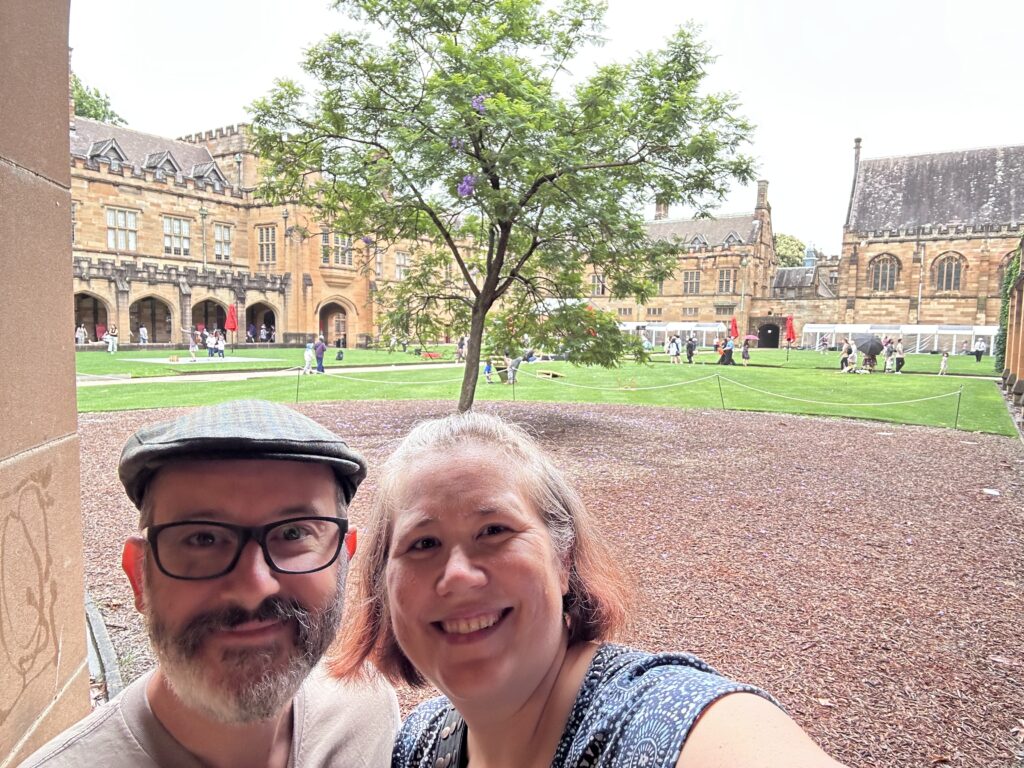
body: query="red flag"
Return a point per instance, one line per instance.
(790, 330)
(231, 324)
(734, 330)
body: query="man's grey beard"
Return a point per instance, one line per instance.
(252, 683)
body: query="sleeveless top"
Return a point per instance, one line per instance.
(634, 709)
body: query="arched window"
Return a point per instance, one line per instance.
(885, 271)
(949, 267)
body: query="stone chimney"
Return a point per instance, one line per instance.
(762, 195)
(660, 209)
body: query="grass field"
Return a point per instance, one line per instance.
(135, 365)
(790, 388)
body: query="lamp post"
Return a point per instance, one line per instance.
(203, 213)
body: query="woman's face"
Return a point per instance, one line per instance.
(473, 580)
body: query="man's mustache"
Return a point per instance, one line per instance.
(202, 626)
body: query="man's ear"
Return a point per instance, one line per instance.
(133, 561)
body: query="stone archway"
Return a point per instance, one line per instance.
(261, 315)
(768, 336)
(209, 314)
(333, 323)
(156, 315)
(92, 311)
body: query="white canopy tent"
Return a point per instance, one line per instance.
(659, 333)
(916, 338)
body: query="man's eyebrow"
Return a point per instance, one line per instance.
(218, 516)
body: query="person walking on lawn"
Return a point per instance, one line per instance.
(320, 349)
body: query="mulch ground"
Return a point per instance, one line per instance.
(870, 576)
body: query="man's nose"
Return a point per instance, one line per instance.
(252, 580)
(461, 571)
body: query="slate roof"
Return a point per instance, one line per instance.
(744, 226)
(971, 188)
(135, 144)
(801, 278)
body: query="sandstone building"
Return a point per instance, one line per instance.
(927, 237)
(167, 234)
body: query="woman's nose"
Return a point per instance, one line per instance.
(461, 571)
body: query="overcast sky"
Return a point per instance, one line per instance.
(907, 76)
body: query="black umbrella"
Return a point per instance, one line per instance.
(867, 343)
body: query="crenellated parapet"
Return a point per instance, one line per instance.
(227, 131)
(940, 232)
(157, 176)
(125, 274)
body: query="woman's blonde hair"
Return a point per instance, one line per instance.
(597, 594)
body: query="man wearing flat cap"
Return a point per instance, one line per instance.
(239, 570)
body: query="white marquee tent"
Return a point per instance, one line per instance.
(916, 338)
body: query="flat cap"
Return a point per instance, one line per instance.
(240, 429)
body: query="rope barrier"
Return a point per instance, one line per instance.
(824, 402)
(621, 389)
(717, 376)
(382, 381)
(747, 386)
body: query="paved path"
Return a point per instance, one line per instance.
(89, 380)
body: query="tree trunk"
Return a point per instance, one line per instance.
(472, 372)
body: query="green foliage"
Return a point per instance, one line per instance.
(1009, 278)
(789, 250)
(460, 136)
(585, 335)
(89, 102)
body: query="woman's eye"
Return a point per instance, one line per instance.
(494, 529)
(427, 542)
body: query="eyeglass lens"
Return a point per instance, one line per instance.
(202, 550)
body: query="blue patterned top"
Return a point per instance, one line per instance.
(634, 710)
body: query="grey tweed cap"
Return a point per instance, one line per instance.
(240, 429)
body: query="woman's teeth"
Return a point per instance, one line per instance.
(465, 626)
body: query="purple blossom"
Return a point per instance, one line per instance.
(457, 144)
(467, 185)
(477, 102)
(367, 239)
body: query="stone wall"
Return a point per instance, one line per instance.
(915, 298)
(44, 678)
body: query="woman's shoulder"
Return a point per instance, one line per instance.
(631, 697)
(420, 731)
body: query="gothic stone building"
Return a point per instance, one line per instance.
(927, 237)
(167, 233)
(726, 268)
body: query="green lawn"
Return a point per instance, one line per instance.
(911, 399)
(961, 365)
(134, 365)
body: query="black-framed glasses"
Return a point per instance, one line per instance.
(200, 549)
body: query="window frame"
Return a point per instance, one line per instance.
(122, 229)
(727, 280)
(177, 243)
(942, 280)
(691, 282)
(266, 243)
(222, 246)
(890, 273)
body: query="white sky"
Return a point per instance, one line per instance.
(908, 76)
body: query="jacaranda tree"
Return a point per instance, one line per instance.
(466, 137)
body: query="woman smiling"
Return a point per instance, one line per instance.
(484, 575)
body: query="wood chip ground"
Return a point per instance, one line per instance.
(870, 576)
